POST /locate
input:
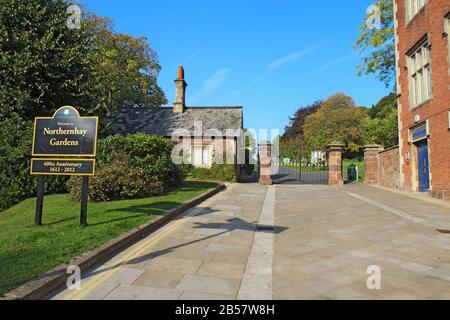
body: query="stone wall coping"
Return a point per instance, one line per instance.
(388, 149)
(373, 147)
(335, 146)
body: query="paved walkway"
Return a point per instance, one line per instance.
(335, 234)
(286, 242)
(201, 255)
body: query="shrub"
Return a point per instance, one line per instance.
(16, 182)
(217, 172)
(116, 181)
(131, 166)
(150, 153)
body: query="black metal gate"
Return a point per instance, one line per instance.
(307, 168)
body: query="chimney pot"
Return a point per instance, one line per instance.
(180, 72)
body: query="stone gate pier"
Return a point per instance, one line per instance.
(335, 177)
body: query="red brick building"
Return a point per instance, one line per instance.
(422, 30)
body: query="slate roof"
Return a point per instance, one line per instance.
(163, 121)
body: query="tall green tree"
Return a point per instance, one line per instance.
(337, 119)
(376, 44)
(125, 69)
(381, 127)
(43, 63)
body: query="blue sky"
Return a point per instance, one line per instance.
(268, 56)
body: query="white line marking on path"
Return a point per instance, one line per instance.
(257, 279)
(397, 212)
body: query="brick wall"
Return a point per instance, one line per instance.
(429, 21)
(389, 168)
(382, 167)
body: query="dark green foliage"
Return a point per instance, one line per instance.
(16, 183)
(381, 127)
(43, 64)
(217, 172)
(132, 166)
(294, 131)
(117, 181)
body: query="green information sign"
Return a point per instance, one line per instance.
(65, 134)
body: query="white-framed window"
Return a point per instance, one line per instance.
(413, 7)
(448, 113)
(419, 74)
(420, 132)
(201, 155)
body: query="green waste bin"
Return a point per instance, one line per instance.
(351, 172)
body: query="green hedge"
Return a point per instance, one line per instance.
(217, 172)
(16, 183)
(132, 166)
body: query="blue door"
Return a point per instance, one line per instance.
(424, 176)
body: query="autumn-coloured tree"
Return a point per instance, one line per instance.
(338, 119)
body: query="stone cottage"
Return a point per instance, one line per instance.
(202, 134)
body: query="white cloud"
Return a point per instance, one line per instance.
(194, 54)
(251, 84)
(278, 63)
(212, 84)
(332, 64)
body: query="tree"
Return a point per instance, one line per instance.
(294, 131)
(250, 141)
(377, 45)
(43, 63)
(381, 127)
(337, 119)
(125, 69)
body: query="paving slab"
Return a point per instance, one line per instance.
(213, 285)
(323, 241)
(335, 234)
(200, 255)
(134, 292)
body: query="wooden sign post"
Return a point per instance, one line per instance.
(66, 134)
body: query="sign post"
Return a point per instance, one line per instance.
(66, 134)
(84, 201)
(39, 199)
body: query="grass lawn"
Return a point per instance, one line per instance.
(27, 251)
(305, 168)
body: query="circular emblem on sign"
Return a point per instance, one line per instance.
(66, 112)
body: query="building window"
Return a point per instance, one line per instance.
(201, 155)
(413, 7)
(448, 119)
(420, 132)
(419, 75)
